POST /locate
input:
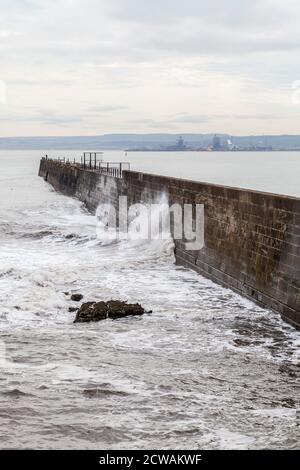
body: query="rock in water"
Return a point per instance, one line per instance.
(76, 297)
(96, 311)
(119, 309)
(92, 311)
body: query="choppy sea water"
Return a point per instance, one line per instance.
(207, 369)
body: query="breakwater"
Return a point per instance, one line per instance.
(252, 239)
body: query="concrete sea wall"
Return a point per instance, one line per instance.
(252, 239)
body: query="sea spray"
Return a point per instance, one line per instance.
(146, 225)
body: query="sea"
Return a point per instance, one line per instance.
(207, 369)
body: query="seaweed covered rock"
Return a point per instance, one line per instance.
(97, 311)
(76, 297)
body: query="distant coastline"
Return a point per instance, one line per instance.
(210, 151)
(155, 142)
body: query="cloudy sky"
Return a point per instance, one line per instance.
(81, 67)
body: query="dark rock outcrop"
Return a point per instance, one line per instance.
(76, 297)
(97, 311)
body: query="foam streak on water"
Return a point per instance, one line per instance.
(207, 369)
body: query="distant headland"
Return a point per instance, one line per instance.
(156, 142)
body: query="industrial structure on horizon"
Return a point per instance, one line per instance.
(218, 144)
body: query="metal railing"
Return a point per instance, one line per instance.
(112, 168)
(90, 162)
(90, 159)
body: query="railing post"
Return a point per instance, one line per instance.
(89, 160)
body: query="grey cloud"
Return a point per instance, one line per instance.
(105, 109)
(81, 31)
(107, 48)
(44, 116)
(190, 118)
(152, 123)
(259, 116)
(187, 118)
(228, 12)
(64, 121)
(47, 83)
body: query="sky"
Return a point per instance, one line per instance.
(86, 67)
